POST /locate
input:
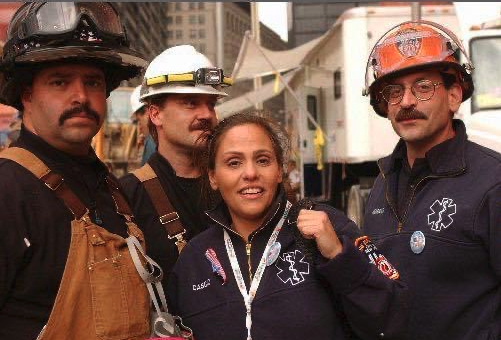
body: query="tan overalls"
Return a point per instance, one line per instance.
(101, 295)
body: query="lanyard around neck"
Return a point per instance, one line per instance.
(249, 295)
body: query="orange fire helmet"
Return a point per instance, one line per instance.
(411, 46)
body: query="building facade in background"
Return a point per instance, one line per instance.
(145, 24)
(309, 20)
(195, 23)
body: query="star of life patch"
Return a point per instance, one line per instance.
(292, 267)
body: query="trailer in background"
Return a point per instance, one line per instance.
(331, 84)
(482, 112)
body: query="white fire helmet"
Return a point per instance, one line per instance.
(181, 69)
(135, 101)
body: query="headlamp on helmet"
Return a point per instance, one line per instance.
(204, 76)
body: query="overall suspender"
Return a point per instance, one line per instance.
(168, 217)
(55, 182)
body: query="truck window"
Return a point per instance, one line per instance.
(485, 54)
(337, 84)
(311, 105)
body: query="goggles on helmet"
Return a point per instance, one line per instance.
(203, 76)
(53, 18)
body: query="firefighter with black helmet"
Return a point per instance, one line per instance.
(434, 210)
(65, 270)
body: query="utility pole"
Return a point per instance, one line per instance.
(219, 35)
(415, 11)
(256, 34)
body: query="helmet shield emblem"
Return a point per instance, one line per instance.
(408, 43)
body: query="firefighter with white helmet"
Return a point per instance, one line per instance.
(144, 140)
(180, 90)
(65, 268)
(434, 209)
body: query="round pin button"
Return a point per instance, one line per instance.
(418, 241)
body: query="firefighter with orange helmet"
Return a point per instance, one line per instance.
(434, 210)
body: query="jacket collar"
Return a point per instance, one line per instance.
(162, 163)
(443, 159)
(220, 216)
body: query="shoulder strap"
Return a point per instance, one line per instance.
(168, 217)
(144, 173)
(51, 179)
(121, 205)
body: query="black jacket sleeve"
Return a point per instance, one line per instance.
(375, 306)
(13, 231)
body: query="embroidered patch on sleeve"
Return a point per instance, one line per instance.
(369, 249)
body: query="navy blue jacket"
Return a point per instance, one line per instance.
(296, 300)
(455, 283)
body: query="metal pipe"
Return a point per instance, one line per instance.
(219, 35)
(256, 34)
(415, 11)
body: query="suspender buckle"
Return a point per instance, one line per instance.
(180, 241)
(56, 185)
(170, 217)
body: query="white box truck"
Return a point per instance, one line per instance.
(331, 84)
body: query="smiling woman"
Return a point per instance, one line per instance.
(250, 276)
(246, 167)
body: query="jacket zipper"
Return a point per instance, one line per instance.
(248, 245)
(403, 219)
(248, 252)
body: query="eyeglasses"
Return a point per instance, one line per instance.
(422, 89)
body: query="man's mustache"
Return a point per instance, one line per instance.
(406, 114)
(85, 108)
(202, 124)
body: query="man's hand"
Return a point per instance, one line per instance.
(316, 225)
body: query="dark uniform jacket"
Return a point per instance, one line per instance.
(186, 198)
(35, 232)
(297, 299)
(455, 282)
